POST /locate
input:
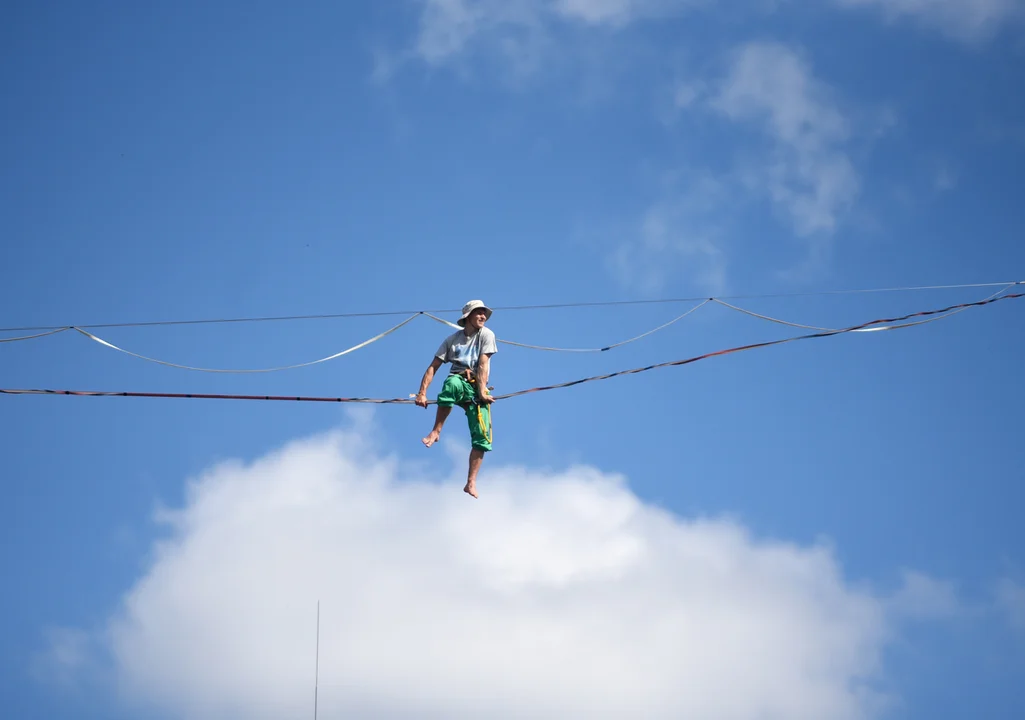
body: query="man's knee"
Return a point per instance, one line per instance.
(453, 392)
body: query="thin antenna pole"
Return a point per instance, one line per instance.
(316, 681)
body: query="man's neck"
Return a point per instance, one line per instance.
(469, 331)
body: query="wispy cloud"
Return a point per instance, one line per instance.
(806, 173)
(520, 32)
(964, 20)
(799, 163)
(802, 165)
(69, 660)
(944, 178)
(618, 13)
(922, 597)
(678, 238)
(446, 26)
(1010, 598)
(512, 28)
(557, 594)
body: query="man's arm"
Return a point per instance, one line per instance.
(483, 371)
(421, 396)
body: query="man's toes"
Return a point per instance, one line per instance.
(431, 439)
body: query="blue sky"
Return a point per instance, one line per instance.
(822, 529)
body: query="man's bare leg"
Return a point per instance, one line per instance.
(439, 420)
(476, 458)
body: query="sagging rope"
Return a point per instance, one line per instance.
(405, 401)
(871, 329)
(260, 370)
(379, 336)
(587, 350)
(497, 308)
(33, 337)
(363, 344)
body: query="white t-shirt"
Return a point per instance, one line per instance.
(464, 352)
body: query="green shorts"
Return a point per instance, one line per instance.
(458, 391)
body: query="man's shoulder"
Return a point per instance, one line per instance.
(487, 337)
(488, 340)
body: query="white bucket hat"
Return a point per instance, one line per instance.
(469, 308)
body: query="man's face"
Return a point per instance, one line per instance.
(477, 318)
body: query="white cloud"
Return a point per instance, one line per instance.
(924, 598)
(677, 237)
(448, 27)
(687, 94)
(966, 20)
(519, 29)
(67, 657)
(800, 164)
(620, 12)
(615, 12)
(1010, 596)
(944, 179)
(807, 173)
(554, 595)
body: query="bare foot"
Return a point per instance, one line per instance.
(432, 438)
(471, 489)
